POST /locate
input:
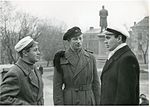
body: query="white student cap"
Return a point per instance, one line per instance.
(24, 42)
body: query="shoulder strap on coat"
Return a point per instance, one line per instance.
(20, 68)
(56, 60)
(89, 51)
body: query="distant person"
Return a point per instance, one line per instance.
(120, 75)
(22, 84)
(103, 13)
(76, 70)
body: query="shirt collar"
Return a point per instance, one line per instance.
(117, 48)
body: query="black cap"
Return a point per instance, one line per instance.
(73, 32)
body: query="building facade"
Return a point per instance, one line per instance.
(140, 39)
(94, 41)
(0, 49)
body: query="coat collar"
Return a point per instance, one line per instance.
(116, 56)
(30, 71)
(117, 48)
(70, 53)
(84, 59)
(27, 69)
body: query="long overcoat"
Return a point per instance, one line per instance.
(120, 79)
(103, 17)
(80, 80)
(21, 86)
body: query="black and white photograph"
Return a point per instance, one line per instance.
(74, 52)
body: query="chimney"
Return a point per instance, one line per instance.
(134, 23)
(91, 28)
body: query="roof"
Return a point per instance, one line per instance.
(143, 22)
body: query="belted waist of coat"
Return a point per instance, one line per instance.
(37, 103)
(40, 102)
(79, 88)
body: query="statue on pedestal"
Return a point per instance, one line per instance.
(103, 13)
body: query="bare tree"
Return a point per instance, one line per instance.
(28, 25)
(6, 36)
(143, 46)
(14, 26)
(50, 40)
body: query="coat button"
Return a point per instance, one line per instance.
(76, 90)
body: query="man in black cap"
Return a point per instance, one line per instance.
(76, 70)
(22, 84)
(120, 75)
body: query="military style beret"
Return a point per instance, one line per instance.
(73, 32)
(118, 29)
(23, 43)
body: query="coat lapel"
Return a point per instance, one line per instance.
(71, 59)
(115, 57)
(84, 59)
(69, 54)
(77, 68)
(27, 70)
(40, 85)
(107, 64)
(33, 78)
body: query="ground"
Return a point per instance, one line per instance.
(48, 85)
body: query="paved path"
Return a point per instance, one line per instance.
(48, 88)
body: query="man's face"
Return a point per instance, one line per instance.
(76, 42)
(110, 41)
(33, 54)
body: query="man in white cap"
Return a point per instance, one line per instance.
(22, 84)
(120, 74)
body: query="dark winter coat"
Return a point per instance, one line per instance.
(80, 79)
(120, 79)
(22, 87)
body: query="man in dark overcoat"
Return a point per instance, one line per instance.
(120, 75)
(76, 81)
(22, 84)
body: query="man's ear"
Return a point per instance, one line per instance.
(119, 38)
(24, 52)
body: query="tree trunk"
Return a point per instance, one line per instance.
(48, 63)
(11, 58)
(2, 57)
(144, 58)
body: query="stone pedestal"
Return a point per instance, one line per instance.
(102, 49)
(103, 53)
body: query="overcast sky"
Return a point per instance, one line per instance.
(85, 13)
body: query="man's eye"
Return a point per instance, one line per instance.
(75, 39)
(35, 49)
(107, 37)
(80, 38)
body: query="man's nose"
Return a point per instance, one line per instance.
(78, 40)
(38, 52)
(105, 41)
